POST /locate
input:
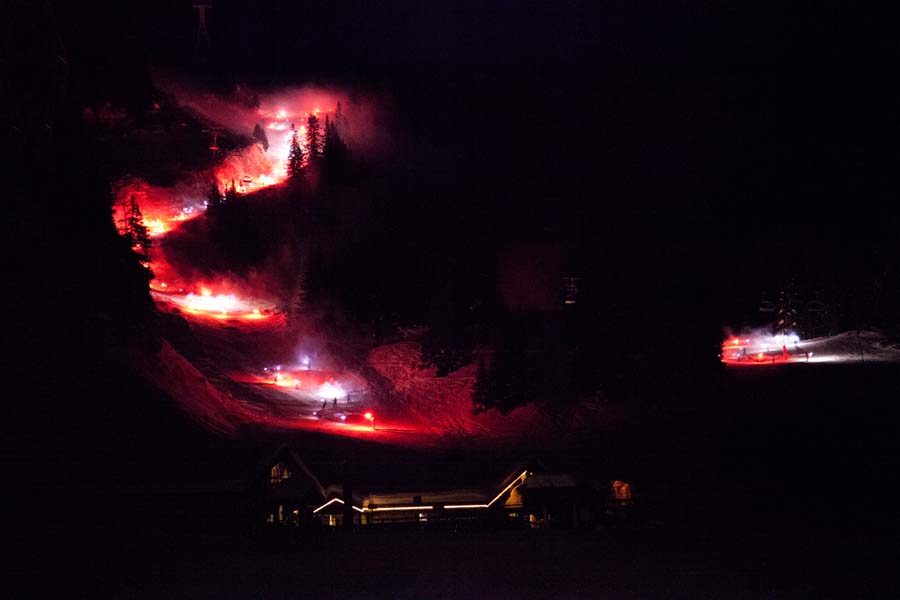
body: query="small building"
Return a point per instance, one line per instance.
(528, 496)
(229, 489)
(283, 491)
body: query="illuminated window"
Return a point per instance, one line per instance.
(333, 521)
(423, 518)
(278, 473)
(514, 499)
(621, 490)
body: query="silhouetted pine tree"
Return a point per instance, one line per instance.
(259, 135)
(335, 153)
(295, 156)
(231, 193)
(820, 315)
(136, 232)
(298, 299)
(484, 394)
(510, 382)
(214, 197)
(786, 315)
(341, 123)
(314, 140)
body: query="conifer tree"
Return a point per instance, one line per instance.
(295, 157)
(136, 232)
(786, 315)
(335, 153)
(341, 124)
(231, 193)
(314, 139)
(259, 135)
(122, 218)
(214, 197)
(298, 299)
(483, 395)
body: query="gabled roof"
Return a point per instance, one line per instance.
(529, 463)
(552, 480)
(285, 451)
(452, 498)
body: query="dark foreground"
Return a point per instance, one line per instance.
(762, 483)
(626, 562)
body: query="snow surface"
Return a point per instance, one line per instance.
(419, 407)
(175, 375)
(444, 406)
(852, 346)
(847, 347)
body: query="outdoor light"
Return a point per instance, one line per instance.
(330, 391)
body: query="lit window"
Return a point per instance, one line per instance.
(621, 490)
(515, 498)
(278, 473)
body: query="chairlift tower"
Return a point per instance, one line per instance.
(215, 139)
(202, 31)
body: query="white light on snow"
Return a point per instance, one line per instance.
(330, 390)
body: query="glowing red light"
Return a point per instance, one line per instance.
(370, 416)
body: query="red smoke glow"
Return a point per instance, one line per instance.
(288, 378)
(249, 169)
(248, 298)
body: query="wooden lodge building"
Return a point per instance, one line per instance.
(282, 493)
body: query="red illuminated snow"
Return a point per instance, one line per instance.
(427, 407)
(249, 169)
(175, 375)
(763, 349)
(443, 405)
(216, 307)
